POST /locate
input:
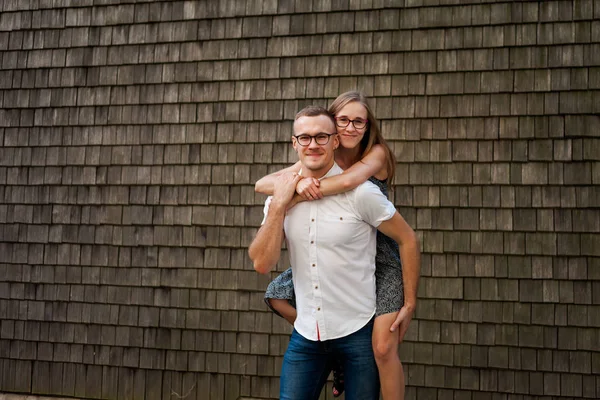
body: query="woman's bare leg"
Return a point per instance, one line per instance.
(385, 348)
(284, 308)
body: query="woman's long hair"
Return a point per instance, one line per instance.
(372, 134)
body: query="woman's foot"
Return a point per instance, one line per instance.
(338, 379)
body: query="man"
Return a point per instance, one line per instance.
(331, 244)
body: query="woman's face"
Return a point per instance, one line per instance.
(350, 136)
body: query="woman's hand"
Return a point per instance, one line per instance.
(308, 189)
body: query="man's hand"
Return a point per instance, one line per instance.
(285, 187)
(308, 188)
(402, 321)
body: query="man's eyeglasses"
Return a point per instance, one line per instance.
(320, 138)
(358, 123)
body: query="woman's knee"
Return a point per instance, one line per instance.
(284, 309)
(278, 304)
(385, 343)
(385, 348)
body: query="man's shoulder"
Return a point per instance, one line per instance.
(365, 190)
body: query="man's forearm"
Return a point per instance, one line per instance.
(411, 262)
(266, 246)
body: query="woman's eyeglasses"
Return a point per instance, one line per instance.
(358, 123)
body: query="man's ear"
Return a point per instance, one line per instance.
(294, 142)
(336, 142)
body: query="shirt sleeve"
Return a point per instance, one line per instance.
(266, 209)
(371, 205)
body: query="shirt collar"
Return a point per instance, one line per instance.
(334, 170)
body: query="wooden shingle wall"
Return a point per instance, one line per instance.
(131, 134)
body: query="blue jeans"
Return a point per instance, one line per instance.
(307, 364)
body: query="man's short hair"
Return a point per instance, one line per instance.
(314, 111)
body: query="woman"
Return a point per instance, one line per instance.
(364, 155)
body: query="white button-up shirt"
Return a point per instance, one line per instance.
(332, 245)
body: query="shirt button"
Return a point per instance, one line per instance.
(313, 220)
(316, 287)
(319, 309)
(314, 265)
(341, 218)
(312, 242)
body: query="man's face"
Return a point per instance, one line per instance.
(318, 158)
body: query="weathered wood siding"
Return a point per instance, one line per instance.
(132, 132)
